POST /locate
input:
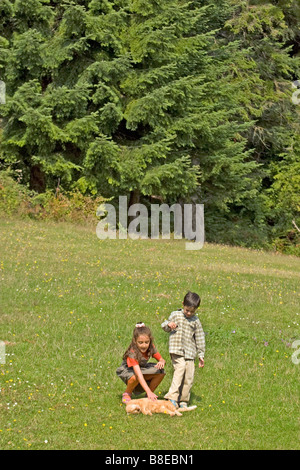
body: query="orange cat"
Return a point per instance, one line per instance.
(147, 407)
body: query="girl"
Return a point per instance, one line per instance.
(135, 371)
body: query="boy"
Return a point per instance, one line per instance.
(186, 341)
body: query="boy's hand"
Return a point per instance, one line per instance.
(201, 363)
(172, 325)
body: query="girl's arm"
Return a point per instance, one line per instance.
(161, 362)
(140, 377)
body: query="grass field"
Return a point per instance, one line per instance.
(68, 306)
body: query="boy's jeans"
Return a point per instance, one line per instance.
(183, 378)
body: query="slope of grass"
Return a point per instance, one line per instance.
(68, 306)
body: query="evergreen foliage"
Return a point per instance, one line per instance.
(173, 98)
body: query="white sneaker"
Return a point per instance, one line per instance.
(183, 406)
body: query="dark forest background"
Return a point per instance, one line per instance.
(162, 101)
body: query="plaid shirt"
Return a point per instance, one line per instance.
(188, 339)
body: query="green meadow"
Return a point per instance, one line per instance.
(69, 303)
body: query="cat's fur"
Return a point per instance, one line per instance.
(147, 407)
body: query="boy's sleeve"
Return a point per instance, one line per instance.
(200, 340)
(164, 324)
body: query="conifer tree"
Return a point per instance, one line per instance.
(123, 96)
(270, 29)
(161, 97)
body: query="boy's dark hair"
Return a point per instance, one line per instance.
(192, 299)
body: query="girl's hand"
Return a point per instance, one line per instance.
(151, 395)
(172, 325)
(160, 364)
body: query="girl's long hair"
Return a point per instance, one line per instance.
(138, 331)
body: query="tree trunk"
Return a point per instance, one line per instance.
(134, 198)
(37, 179)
